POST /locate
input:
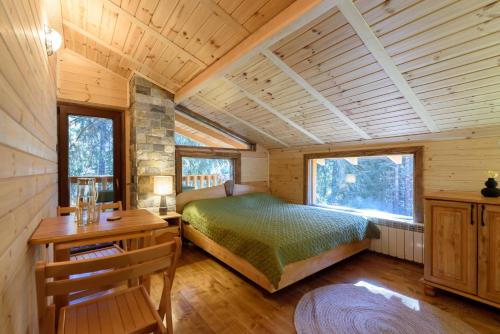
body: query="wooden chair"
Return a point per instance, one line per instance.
(109, 250)
(126, 311)
(112, 206)
(66, 210)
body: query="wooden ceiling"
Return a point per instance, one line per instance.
(343, 71)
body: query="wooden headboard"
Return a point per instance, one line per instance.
(214, 192)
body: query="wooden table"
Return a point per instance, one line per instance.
(64, 233)
(58, 230)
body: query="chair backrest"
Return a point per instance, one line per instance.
(112, 206)
(107, 271)
(64, 210)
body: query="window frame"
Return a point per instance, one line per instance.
(206, 154)
(416, 151)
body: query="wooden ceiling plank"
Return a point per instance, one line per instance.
(240, 120)
(198, 126)
(292, 18)
(275, 113)
(228, 19)
(311, 90)
(146, 27)
(142, 67)
(367, 35)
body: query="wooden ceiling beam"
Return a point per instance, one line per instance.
(159, 36)
(373, 44)
(240, 120)
(198, 126)
(311, 90)
(274, 112)
(289, 20)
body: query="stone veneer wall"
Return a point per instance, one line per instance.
(152, 145)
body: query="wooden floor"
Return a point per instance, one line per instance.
(208, 297)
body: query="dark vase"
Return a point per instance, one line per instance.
(491, 189)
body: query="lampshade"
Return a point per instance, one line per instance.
(163, 185)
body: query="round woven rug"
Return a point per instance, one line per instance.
(366, 308)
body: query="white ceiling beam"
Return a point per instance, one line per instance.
(159, 36)
(289, 20)
(311, 90)
(355, 18)
(274, 112)
(240, 120)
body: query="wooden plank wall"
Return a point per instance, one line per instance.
(28, 167)
(459, 165)
(255, 167)
(83, 81)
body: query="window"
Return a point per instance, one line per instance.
(197, 170)
(377, 183)
(185, 141)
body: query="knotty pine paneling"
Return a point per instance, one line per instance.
(455, 165)
(255, 166)
(28, 167)
(82, 81)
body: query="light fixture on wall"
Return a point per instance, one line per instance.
(163, 187)
(53, 40)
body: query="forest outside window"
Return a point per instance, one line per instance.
(378, 183)
(201, 170)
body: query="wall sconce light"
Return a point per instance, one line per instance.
(163, 186)
(53, 40)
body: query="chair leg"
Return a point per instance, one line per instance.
(170, 327)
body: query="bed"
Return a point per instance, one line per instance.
(270, 241)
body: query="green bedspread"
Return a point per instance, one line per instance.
(270, 233)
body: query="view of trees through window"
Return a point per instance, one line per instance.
(198, 170)
(90, 148)
(381, 184)
(182, 140)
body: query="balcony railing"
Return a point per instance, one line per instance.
(104, 186)
(201, 181)
(104, 182)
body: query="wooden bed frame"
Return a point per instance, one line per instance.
(292, 273)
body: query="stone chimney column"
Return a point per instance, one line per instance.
(152, 144)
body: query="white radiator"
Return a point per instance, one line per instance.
(404, 241)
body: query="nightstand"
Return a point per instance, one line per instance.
(173, 229)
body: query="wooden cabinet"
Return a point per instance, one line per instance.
(452, 244)
(462, 245)
(489, 252)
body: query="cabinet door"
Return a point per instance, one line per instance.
(451, 244)
(489, 252)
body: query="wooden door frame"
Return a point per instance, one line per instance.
(65, 109)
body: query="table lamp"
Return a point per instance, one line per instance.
(163, 187)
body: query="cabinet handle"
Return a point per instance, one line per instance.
(482, 216)
(472, 214)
